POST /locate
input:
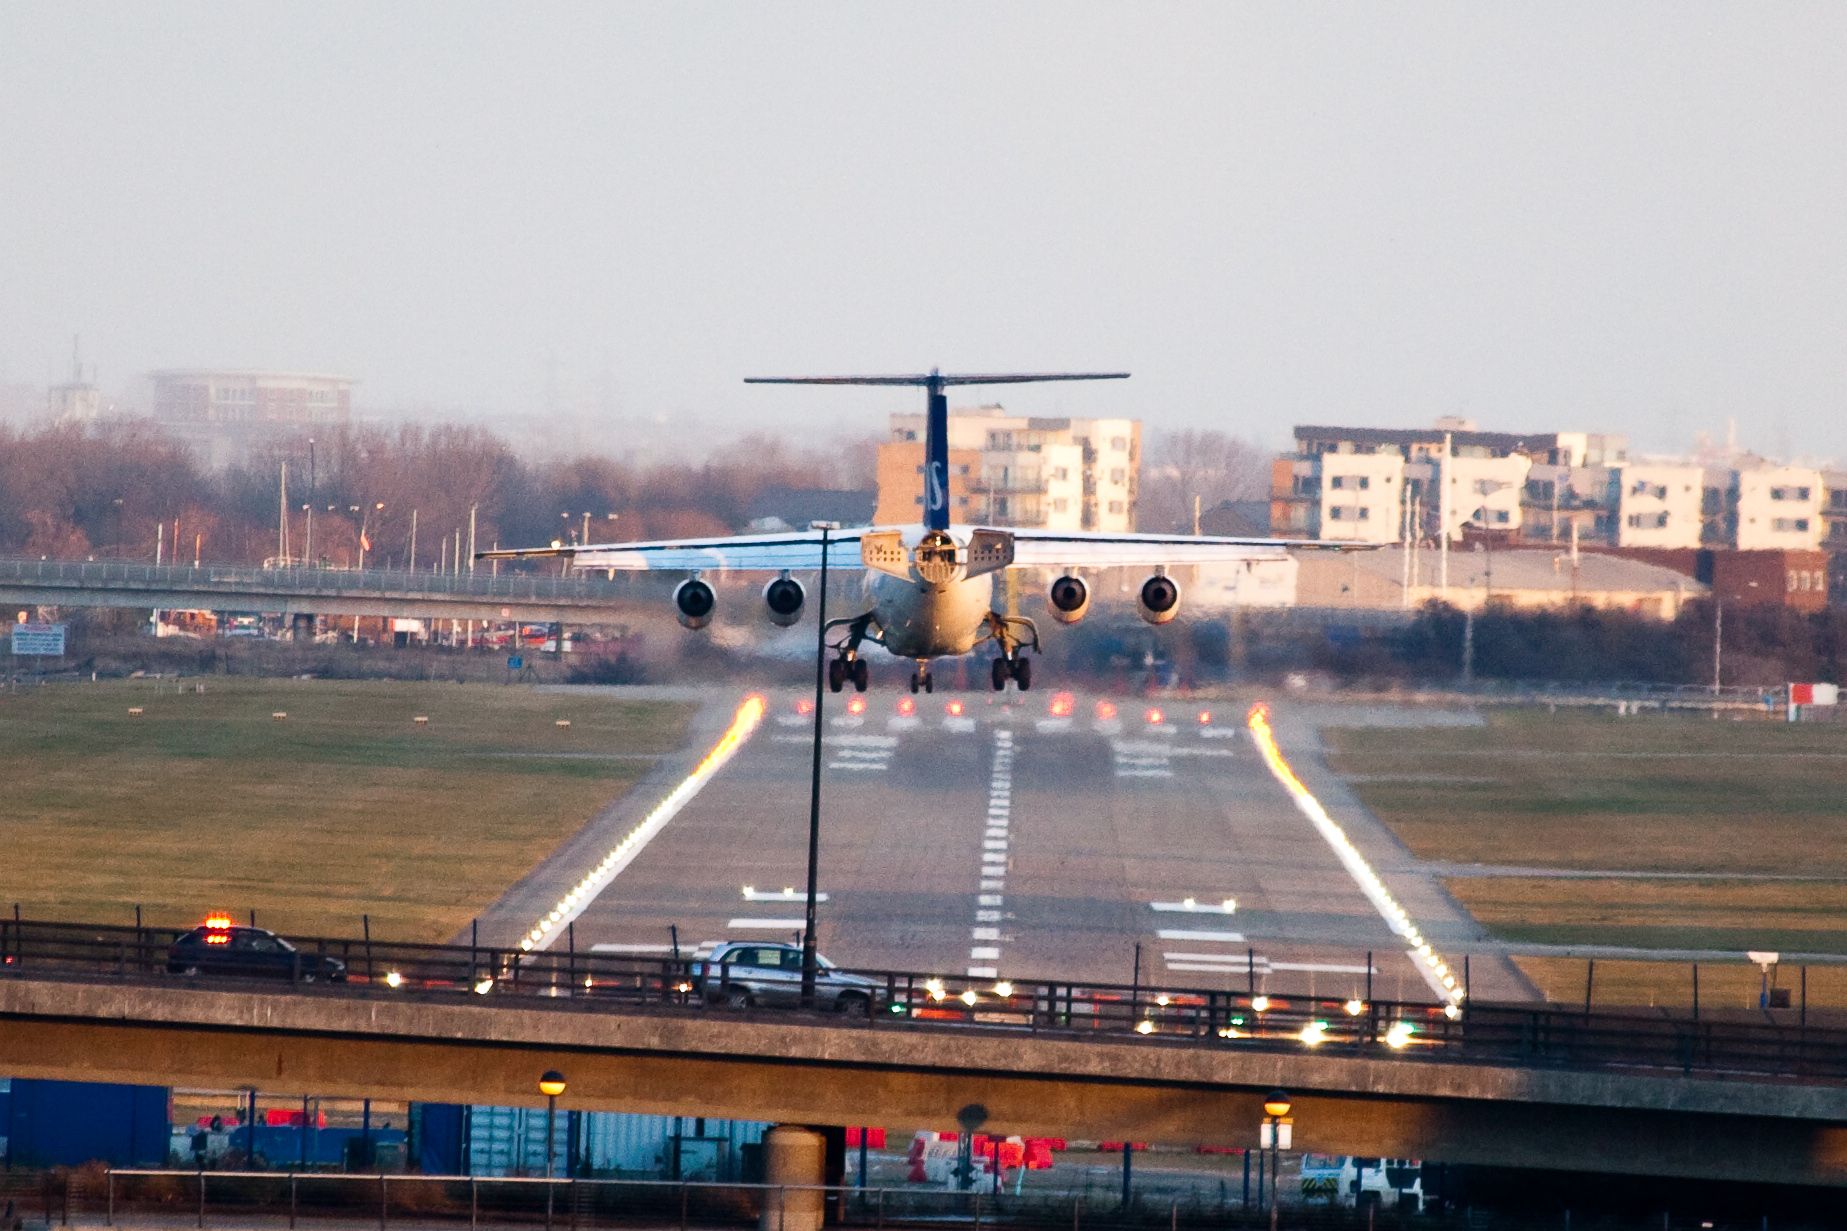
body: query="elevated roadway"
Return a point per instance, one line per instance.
(577, 599)
(816, 1071)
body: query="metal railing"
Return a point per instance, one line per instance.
(235, 581)
(1525, 1035)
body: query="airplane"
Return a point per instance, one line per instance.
(928, 590)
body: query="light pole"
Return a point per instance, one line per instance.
(1276, 1107)
(814, 789)
(551, 1085)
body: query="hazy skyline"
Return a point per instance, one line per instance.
(1623, 218)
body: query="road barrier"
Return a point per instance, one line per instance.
(566, 980)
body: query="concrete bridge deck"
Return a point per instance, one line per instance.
(794, 1069)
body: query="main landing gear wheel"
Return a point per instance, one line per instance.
(929, 682)
(1000, 674)
(861, 673)
(836, 675)
(1023, 672)
(922, 681)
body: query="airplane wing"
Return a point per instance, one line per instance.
(1051, 548)
(797, 549)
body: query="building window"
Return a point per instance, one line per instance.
(1061, 473)
(1115, 506)
(1350, 482)
(1790, 525)
(1118, 475)
(1119, 443)
(1060, 505)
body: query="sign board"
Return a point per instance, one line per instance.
(1814, 694)
(42, 640)
(1287, 1135)
(515, 662)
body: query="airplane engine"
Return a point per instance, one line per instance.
(784, 597)
(1069, 599)
(1159, 599)
(694, 602)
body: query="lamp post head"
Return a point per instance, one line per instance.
(551, 1083)
(824, 525)
(1276, 1104)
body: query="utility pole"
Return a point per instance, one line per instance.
(471, 538)
(413, 540)
(1443, 517)
(1718, 641)
(810, 967)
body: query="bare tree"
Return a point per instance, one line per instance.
(1198, 468)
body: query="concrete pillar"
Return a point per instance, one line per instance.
(795, 1157)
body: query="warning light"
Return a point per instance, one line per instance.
(1106, 709)
(907, 706)
(1062, 705)
(953, 709)
(856, 706)
(804, 706)
(1154, 716)
(1205, 718)
(218, 923)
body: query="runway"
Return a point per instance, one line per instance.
(1043, 835)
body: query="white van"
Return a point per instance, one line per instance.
(1354, 1183)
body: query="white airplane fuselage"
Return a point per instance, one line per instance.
(920, 620)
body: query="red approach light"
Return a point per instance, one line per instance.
(1063, 704)
(856, 706)
(907, 706)
(953, 709)
(1106, 709)
(1154, 716)
(804, 706)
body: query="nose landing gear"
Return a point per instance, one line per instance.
(1016, 667)
(848, 667)
(922, 680)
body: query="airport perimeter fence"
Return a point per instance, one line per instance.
(272, 1201)
(1768, 1043)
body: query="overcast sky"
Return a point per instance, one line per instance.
(1626, 217)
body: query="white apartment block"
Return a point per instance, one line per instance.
(1655, 504)
(1052, 473)
(1483, 492)
(1771, 507)
(1355, 497)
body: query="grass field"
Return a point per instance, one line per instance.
(1730, 805)
(205, 801)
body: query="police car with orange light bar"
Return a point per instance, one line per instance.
(220, 947)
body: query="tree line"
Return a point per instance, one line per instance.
(123, 490)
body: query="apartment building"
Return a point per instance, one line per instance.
(1019, 470)
(225, 413)
(1771, 507)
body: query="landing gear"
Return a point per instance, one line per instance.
(844, 670)
(1017, 668)
(922, 680)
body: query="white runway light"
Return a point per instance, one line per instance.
(744, 723)
(1429, 963)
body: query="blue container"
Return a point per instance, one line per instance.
(69, 1123)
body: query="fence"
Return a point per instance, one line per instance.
(1251, 1019)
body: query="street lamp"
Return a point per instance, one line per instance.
(551, 1085)
(814, 789)
(1276, 1107)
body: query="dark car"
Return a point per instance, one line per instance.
(217, 948)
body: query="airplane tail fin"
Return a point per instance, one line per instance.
(936, 421)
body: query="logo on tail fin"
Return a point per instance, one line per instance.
(935, 495)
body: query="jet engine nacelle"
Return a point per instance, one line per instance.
(1159, 599)
(784, 597)
(1068, 599)
(694, 602)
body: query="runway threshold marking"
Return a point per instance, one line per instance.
(744, 724)
(1424, 957)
